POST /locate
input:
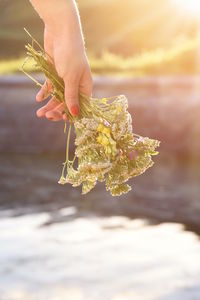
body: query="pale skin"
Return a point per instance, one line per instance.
(64, 43)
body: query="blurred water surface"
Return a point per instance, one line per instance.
(93, 258)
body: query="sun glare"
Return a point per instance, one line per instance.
(191, 7)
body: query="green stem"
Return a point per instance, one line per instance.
(72, 162)
(34, 39)
(65, 128)
(66, 163)
(68, 140)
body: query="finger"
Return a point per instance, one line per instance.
(45, 91)
(51, 104)
(57, 113)
(86, 83)
(65, 118)
(71, 95)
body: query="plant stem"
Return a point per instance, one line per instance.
(68, 140)
(66, 163)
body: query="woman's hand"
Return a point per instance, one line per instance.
(63, 42)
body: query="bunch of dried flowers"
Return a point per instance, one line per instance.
(106, 148)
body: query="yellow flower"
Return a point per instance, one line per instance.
(100, 128)
(104, 100)
(108, 150)
(119, 108)
(106, 131)
(105, 140)
(99, 139)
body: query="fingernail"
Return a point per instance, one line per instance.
(39, 113)
(65, 117)
(74, 110)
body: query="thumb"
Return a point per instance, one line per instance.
(86, 83)
(71, 95)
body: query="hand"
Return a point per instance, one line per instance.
(70, 60)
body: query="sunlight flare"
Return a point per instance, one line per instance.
(191, 7)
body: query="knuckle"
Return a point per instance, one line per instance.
(71, 80)
(70, 94)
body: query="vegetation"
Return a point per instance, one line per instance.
(134, 37)
(165, 61)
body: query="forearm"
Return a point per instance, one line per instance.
(60, 16)
(64, 44)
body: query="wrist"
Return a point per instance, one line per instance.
(65, 38)
(60, 17)
(58, 14)
(65, 22)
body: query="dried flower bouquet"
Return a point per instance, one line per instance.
(106, 148)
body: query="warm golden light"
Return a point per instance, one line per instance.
(188, 6)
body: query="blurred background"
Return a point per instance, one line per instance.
(56, 244)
